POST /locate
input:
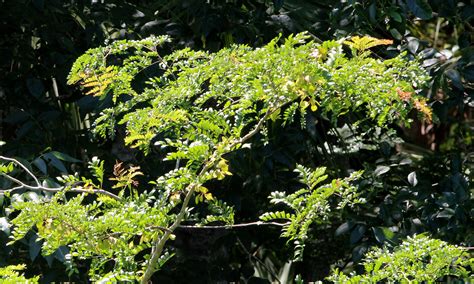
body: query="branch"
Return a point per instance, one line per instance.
(39, 187)
(161, 228)
(15, 180)
(256, 129)
(158, 245)
(23, 167)
(59, 189)
(243, 225)
(252, 255)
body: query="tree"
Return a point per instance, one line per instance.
(194, 117)
(415, 179)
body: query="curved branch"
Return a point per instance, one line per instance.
(23, 167)
(39, 187)
(15, 180)
(257, 127)
(59, 189)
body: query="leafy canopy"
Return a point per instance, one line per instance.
(218, 94)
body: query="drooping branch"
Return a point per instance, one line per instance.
(39, 187)
(23, 167)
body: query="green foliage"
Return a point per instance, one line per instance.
(40, 113)
(220, 212)
(360, 44)
(417, 259)
(311, 203)
(106, 231)
(200, 109)
(10, 275)
(192, 87)
(202, 106)
(96, 167)
(8, 168)
(92, 71)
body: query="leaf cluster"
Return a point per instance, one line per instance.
(417, 259)
(312, 203)
(10, 275)
(201, 98)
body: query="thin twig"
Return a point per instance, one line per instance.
(59, 189)
(242, 225)
(256, 129)
(23, 167)
(259, 261)
(438, 25)
(39, 187)
(161, 228)
(56, 92)
(13, 179)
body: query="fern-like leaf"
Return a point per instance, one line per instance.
(278, 215)
(99, 82)
(363, 43)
